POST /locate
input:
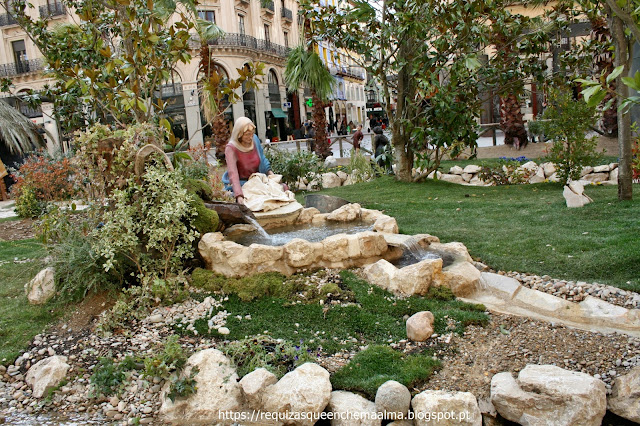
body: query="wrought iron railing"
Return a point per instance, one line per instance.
(55, 9)
(269, 6)
(287, 14)
(21, 67)
(250, 42)
(6, 19)
(349, 72)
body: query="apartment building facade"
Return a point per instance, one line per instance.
(254, 32)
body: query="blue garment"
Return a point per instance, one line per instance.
(264, 167)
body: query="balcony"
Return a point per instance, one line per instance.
(350, 72)
(268, 7)
(6, 19)
(22, 67)
(287, 14)
(51, 10)
(249, 42)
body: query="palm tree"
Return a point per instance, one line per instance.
(304, 67)
(17, 132)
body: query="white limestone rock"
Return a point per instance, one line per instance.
(549, 169)
(624, 400)
(386, 224)
(538, 177)
(330, 162)
(254, 384)
(455, 408)
(596, 177)
(346, 213)
(307, 389)
(420, 326)
(307, 214)
(472, 169)
(456, 170)
(586, 170)
(530, 166)
(300, 253)
(342, 175)
(544, 393)
(467, 177)
(46, 374)
(393, 399)
(453, 178)
(605, 168)
(331, 180)
(434, 175)
(217, 390)
(42, 287)
(350, 409)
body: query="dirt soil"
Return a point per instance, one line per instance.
(13, 230)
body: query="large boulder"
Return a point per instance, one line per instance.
(456, 170)
(386, 224)
(218, 391)
(300, 253)
(420, 326)
(461, 277)
(307, 390)
(549, 169)
(472, 169)
(331, 180)
(538, 177)
(254, 384)
(442, 408)
(46, 374)
(625, 396)
(345, 213)
(453, 178)
(596, 177)
(574, 195)
(410, 280)
(42, 287)
(546, 394)
(350, 409)
(393, 400)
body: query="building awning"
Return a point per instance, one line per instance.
(278, 113)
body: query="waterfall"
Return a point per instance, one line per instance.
(259, 228)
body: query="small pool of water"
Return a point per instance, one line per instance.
(414, 256)
(281, 236)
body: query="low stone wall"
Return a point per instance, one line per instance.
(546, 172)
(337, 251)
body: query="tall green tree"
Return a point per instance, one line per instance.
(305, 68)
(112, 64)
(426, 56)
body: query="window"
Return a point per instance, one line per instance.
(207, 15)
(286, 39)
(241, 24)
(20, 56)
(267, 37)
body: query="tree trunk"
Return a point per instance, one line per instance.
(622, 57)
(603, 63)
(400, 133)
(512, 121)
(322, 148)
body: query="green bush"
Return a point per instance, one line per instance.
(507, 172)
(360, 169)
(150, 225)
(277, 356)
(27, 204)
(172, 358)
(377, 364)
(567, 122)
(109, 376)
(294, 165)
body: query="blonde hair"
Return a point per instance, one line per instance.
(241, 125)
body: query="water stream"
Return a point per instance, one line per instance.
(414, 253)
(264, 234)
(282, 235)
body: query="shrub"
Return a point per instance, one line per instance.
(48, 178)
(277, 356)
(360, 169)
(108, 376)
(567, 123)
(27, 204)
(294, 165)
(150, 225)
(172, 358)
(635, 163)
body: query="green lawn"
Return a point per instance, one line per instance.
(525, 228)
(19, 321)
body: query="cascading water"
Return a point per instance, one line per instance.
(414, 253)
(282, 235)
(263, 234)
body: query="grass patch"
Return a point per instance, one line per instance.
(20, 261)
(525, 228)
(375, 316)
(377, 364)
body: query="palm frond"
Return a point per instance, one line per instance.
(17, 132)
(306, 68)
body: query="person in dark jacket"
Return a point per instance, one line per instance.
(380, 142)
